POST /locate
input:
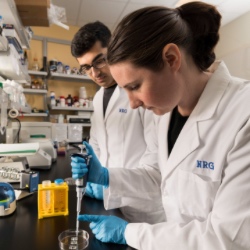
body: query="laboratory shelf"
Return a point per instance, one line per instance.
(20, 108)
(65, 77)
(35, 91)
(35, 115)
(71, 108)
(37, 73)
(86, 125)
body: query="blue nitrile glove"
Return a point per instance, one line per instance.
(97, 173)
(106, 228)
(94, 191)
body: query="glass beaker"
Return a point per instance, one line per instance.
(71, 239)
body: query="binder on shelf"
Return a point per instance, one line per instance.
(16, 44)
(4, 45)
(9, 30)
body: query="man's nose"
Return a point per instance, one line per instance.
(95, 72)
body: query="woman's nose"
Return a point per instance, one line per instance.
(134, 103)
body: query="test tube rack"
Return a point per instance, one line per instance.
(52, 200)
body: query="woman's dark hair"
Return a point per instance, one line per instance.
(141, 36)
(87, 36)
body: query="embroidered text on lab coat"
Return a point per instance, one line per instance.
(205, 164)
(123, 110)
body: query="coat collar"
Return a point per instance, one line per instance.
(112, 101)
(99, 103)
(188, 139)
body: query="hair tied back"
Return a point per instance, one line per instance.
(178, 11)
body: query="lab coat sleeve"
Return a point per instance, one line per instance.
(132, 187)
(226, 227)
(140, 185)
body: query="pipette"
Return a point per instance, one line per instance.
(80, 183)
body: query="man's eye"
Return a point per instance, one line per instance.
(87, 67)
(99, 62)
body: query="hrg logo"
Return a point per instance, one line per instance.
(205, 164)
(123, 110)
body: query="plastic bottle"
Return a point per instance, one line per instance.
(83, 93)
(52, 94)
(26, 61)
(52, 101)
(62, 101)
(60, 118)
(59, 67)
(35, 65)
(52, 98)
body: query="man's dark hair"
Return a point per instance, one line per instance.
(87, 36)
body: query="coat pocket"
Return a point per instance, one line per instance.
(193, 194)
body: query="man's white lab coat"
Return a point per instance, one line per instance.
(122, 139)
(205, 180)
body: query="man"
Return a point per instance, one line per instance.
(120, 136)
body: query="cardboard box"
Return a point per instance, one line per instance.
(35, 22)
(45, 3)
(33, 13)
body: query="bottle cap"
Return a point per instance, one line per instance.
(58, 181)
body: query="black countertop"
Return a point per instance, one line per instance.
(23, 230)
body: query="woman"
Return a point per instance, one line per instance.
(164, 59)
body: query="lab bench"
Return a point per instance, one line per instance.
(23, 229)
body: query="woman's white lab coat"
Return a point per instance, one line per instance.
(205, 180)
(122, 139)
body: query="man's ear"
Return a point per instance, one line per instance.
(171, 56)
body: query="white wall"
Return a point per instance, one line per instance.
(234, 46)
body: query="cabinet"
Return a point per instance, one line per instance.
(10, 14)
(10, 65)
(11, 68)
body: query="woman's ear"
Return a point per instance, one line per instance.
(171, 56)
